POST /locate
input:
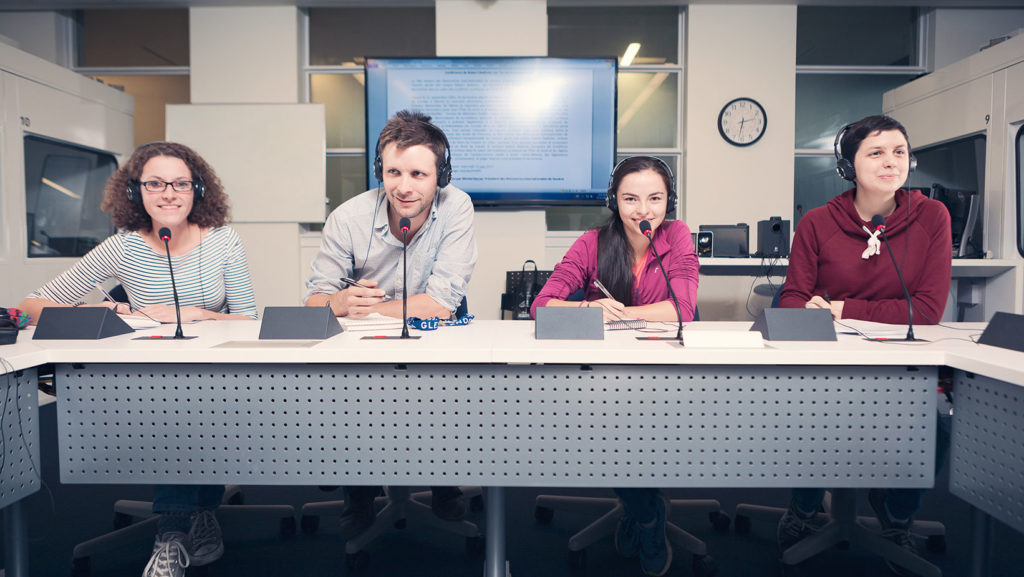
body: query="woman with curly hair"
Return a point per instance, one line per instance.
(167, 185)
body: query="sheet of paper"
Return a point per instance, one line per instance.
(870, 329)
(373, 321)
(138, 322)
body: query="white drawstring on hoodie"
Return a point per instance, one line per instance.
(874, 245)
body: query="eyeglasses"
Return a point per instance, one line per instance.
(161, 185)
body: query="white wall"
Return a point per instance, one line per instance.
(959, 33)
(734, 51)
(243, 56)
(43, 34)
(505, 238)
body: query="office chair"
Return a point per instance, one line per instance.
(395, 509)
(842, 527)
(127, 530)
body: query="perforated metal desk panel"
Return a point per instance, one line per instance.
(987, 448)
(19, 427)
(498, 424)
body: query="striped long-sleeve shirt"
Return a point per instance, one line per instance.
(213, 276)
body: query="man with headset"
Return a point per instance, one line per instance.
(362, 240)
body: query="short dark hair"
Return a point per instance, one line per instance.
(210, 211)
(864, 128)
(410, 128)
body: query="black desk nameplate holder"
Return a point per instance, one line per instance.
(79, 323)
(570, 323)
(1005, 331)
(299, 323)
(776, 324)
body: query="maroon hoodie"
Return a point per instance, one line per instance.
(826, 259)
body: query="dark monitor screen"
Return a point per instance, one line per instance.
(523, 131)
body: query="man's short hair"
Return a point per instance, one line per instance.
(409, 128)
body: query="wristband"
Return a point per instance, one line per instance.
(432, 323)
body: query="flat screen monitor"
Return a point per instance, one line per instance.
(523, 131)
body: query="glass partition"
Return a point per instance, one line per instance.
(63, 191)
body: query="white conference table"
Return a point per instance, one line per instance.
(489, 405)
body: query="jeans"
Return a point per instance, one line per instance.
(186, 498)
(641, 504)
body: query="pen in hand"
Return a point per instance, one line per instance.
(600, 287)
(351, 282)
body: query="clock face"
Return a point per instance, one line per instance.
(742, 122)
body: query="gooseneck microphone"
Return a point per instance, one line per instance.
(645, 228)
(404, 225)
(878, 221)
(165, 235)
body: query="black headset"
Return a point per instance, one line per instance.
(135, 185)
(612, 203)
(444, 168)
(844, 168)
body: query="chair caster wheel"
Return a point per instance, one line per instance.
(543, 515)
(475, 545)
(357, 561)
(704, 566)
(743, 525)
(720, 521)
(578, 560)
(936, 543)
(288, 527)
(310, 523)
(476, 504)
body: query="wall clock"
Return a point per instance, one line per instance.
(742, 121)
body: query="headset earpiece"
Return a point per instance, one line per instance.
(913, 162)
(612, 203)
(844, 168)
(134, 191)
(198, 188)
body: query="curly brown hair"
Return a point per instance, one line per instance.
(209, 211)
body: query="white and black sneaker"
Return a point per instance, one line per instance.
(170, 556)
(205, 539)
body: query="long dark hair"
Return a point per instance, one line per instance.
(614, 255)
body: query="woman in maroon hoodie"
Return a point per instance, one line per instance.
(837, 263)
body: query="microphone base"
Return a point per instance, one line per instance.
(676, 339)
(163, 338)
(388, 337)
(896, 340)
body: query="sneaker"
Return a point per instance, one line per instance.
(655, 552)
(357, 517)
(627, 536)
(892, 530)
(793, 528)
(170, 556)
(207, 543)
(448, 503)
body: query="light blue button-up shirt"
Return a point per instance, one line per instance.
(357, 243)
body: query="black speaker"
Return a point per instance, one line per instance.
(79, 323)
(1005, 331)
(773, 237)
(777, 324)
(299, 323)
(705, 243)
